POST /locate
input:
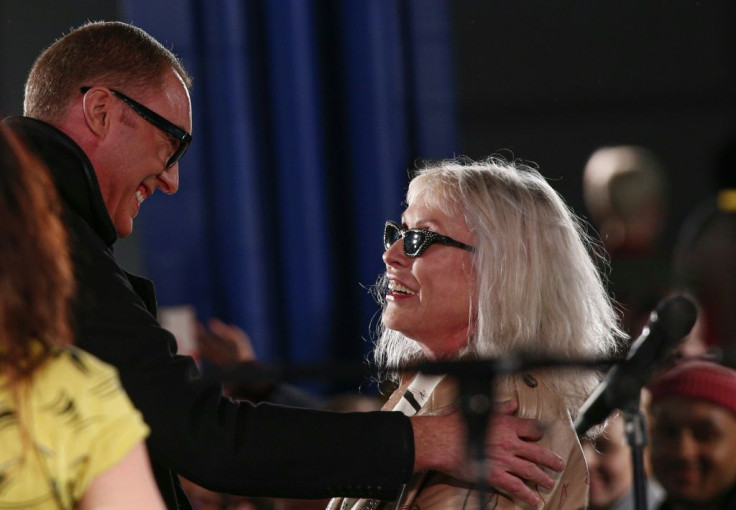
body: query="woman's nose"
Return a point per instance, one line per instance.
(394, 255)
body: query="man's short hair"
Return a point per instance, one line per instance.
(109, 53)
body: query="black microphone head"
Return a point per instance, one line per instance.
(677, 316)
(672, 320)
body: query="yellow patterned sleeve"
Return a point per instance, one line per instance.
(107, 426)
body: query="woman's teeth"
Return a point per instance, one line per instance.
(398, 288)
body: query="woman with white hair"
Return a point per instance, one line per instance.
(489, 261)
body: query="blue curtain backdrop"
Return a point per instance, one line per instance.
(307, 117)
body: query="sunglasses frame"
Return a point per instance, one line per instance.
(429, 238)
(180, 135)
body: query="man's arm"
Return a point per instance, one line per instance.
(257, 450)
(223, 445)
(512, 454)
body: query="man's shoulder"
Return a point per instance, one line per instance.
(71, 171)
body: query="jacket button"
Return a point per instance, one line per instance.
(530, 380)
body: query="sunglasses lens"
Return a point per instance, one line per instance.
(183, 146)
(413, 242)
(390, 235)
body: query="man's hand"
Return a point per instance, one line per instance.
(224, 344)
(513, 456)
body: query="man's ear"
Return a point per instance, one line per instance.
(98, 105)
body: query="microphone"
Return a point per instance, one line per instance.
(668, 324)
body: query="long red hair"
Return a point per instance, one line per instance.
(36, 277)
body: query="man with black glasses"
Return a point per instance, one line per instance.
(108, 108)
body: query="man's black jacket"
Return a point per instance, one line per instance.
(226, 446)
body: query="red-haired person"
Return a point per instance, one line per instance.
(69, 436)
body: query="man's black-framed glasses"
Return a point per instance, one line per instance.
(181, 136)
(416, 240)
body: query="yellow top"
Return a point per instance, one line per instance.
(77, 422)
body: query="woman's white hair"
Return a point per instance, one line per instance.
(538, 288)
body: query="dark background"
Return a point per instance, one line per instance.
(548, 81)
(553, 81)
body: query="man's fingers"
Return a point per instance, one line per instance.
(517, 489)
(507, 407)
(540, 456)
(235, 338)
(526, 429)
(531, 472)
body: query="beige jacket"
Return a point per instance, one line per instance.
(436, 491)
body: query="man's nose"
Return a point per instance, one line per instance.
(687, 446)
(170, 179)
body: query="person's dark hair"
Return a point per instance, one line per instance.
(109, 53)
(36, 276)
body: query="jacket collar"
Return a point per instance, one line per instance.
(71, 170)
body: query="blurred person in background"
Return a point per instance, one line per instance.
(705, 261)
(693, 435)
(626, 191)
(611, 470)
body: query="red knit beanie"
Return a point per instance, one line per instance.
(698, 379)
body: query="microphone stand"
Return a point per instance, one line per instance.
(476, 379)
(636, 437)
(476, 406)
